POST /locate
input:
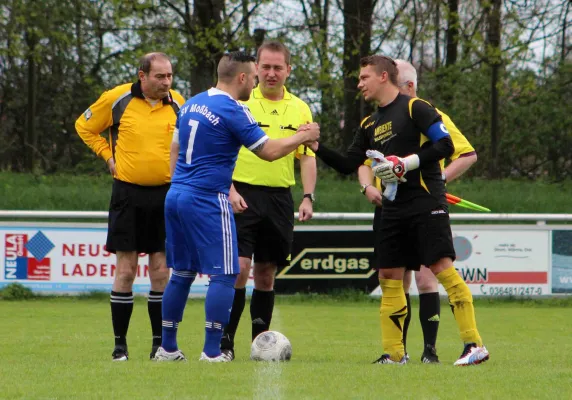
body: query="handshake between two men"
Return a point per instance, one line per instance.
(388, 169)
(312, 131)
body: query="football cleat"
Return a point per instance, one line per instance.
(227, 345)
(153, 352)
(120, 353)
(228, 352)
(472, 355)
(385, 359)
(164, 355)
(429, 355)
(220, 358)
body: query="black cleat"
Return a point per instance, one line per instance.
(226, 342)
(385, 359)
(227, 346)
(429, 355)
(153, 352)
(120, 353)
(229, 353)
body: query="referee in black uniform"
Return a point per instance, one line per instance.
(261, 197)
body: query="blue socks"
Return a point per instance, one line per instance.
(174, 302)
(218, 304)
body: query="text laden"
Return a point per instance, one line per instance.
(99, 270)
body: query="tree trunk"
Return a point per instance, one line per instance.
(246, 26)
(437, 34)
(452, 32)
(329, 120)
(494, 60)
(357, 42)
(259, 34)
(564, 47)
(207, 43)
(31, 141)
(413, 38)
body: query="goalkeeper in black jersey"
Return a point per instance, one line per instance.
(414, 225)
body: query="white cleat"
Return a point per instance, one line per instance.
(220, 358)
(163, 355)
(472, 355)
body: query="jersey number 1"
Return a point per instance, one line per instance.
(194, 126)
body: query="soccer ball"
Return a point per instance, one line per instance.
(271, 346)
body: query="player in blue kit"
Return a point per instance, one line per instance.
(201, 236)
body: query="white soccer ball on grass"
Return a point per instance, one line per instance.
(271, 346)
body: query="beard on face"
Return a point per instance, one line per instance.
(244, 94)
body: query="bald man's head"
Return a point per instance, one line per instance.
(156, 75)
(146, 62)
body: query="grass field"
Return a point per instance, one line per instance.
(60, 348)
(334, 193)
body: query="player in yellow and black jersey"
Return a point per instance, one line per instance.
(141, 119)
(414, 226)
(427, 285)
(260, 195)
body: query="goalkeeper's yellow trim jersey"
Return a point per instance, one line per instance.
(462, 146)
(278, 119)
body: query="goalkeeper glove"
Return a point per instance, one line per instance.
(395, 168)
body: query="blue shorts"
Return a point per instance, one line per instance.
(201, 235)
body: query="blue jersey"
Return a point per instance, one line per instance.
(211, 128)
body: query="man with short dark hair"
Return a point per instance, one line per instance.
(201, 235)
(427, 285)
(141, 117)
(414, 227)
(261, 196)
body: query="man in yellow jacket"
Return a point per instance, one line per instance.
(141, 118)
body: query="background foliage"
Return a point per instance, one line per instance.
(501, 68)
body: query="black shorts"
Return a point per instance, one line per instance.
(411, 242)
(376, 227)
(265, 229)
(136, 218)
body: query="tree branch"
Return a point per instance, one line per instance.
(391, 24)
(245, 17)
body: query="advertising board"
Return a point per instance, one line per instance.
(493, 260)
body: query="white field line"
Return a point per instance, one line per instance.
(268, 382)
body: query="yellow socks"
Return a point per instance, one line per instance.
(461, 301)
(392, 314)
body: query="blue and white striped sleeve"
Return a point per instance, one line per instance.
(246, 129)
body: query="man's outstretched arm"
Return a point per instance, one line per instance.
(345, 164)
